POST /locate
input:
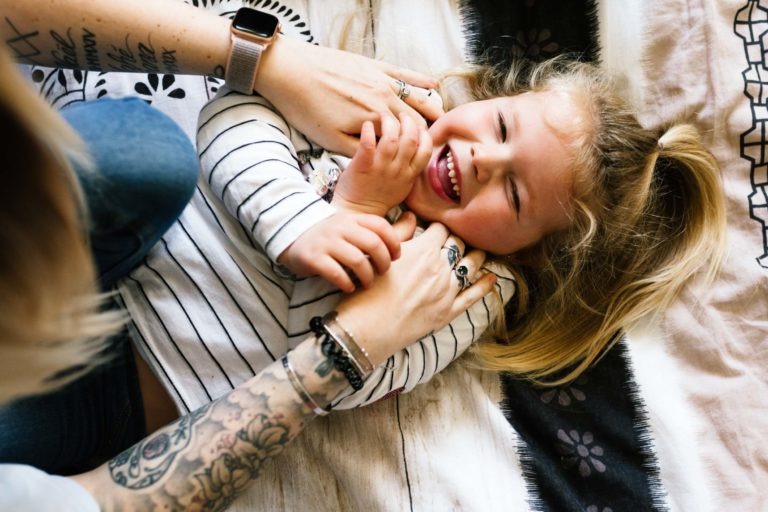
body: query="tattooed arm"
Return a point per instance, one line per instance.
(138, 36)
(326, 93)
(206, 459)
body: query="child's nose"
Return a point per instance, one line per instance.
(486, 160)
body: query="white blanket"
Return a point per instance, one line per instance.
(701, 369)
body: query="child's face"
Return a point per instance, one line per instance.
(511, 168)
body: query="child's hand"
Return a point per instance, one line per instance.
(381, 175)
(365, 244)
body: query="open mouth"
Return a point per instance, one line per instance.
(449, 175)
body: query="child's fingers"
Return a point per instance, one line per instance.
(366, 149)
(423, 153)
(370, 244)
(390, 130)
(368, 137)
(408, 143)
(356, 261)
(329, 269)
(405, 226)
(385, 233)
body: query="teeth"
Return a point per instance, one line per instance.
(452, 173)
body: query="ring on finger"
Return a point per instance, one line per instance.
(462, 274)
(404, 90)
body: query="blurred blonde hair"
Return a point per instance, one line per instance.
(649, 214)
(52, 329)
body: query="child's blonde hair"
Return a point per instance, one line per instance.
(51, 327)
(649, 213)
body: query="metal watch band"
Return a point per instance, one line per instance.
(243, 64)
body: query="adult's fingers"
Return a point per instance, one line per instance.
(453, 248)
(434, 236)
(467, 268)
(343, 143)
(408, 76)
(475, 292)
(427, 102)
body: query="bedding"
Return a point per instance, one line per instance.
(674, 417)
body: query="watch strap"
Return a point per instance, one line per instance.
(243, 64)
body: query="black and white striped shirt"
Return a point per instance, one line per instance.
(210, 306)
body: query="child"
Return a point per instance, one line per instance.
(210, 305)
(603, 219)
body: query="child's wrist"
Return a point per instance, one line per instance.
(369, 207)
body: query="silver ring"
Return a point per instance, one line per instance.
(404, 90)
(462, 274)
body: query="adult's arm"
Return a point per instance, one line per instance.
(207, 458)
(326, 93)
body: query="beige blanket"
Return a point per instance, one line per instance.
(702, 368)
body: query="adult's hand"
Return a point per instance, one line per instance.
(328, 94)
(419, 294)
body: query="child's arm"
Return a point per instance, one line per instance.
(249, 162)
(358, 238)
(381, 174)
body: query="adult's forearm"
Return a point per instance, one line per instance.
(207, 458)
(163, 36)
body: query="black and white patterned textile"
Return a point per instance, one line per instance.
(609, 441)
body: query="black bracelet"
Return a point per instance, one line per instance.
(335, 353)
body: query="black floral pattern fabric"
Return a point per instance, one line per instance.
(500, 31)
(586, 446)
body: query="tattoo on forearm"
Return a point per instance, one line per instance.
(90, 49)
(143, 58)
(22, 45)
(209, 457)
(65, 54)
(146, 462)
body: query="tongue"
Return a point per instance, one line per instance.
(445, 180)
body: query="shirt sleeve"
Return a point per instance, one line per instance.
(27, 488)
(249, 162)
(419, 362)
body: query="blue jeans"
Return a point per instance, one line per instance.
(146, 171)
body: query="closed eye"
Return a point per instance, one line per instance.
(515, 198)
(502, 128)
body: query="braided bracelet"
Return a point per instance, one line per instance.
(337, 354)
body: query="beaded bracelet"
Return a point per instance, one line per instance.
(358, 355)
(337, 354)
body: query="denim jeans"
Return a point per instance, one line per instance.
(146, 170)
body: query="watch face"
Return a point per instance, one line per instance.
(255, 22)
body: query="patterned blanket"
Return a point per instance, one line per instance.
(674, 417)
